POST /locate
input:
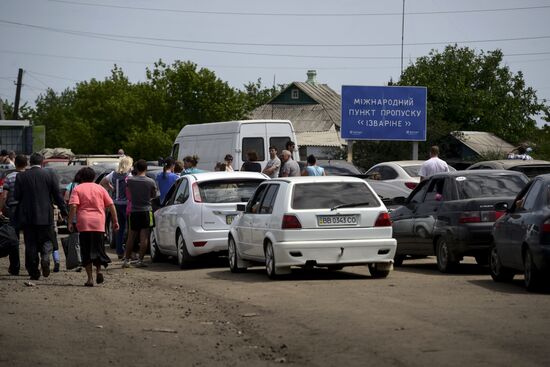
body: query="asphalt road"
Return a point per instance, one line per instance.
(163, 316)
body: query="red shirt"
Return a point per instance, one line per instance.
(91, 201)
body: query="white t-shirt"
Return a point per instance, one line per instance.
(432, 166)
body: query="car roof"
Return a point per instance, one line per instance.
(216, 175)
(484, 172)
(507, 163)
(403, 163)
(308, 179)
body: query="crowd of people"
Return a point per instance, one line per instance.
(31, 199)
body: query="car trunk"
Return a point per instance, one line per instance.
(343, 224)
(218, 216)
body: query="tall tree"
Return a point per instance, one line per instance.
(467, 90)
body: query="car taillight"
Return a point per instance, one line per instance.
(196, 193)
(411, 185)
(199, 243)
(480, 216)
(499, 214)
(383, 220)
(291, 222)
(546, 226)
(470, 217)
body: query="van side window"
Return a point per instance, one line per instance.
(175, 151)
(253, 144)
(279, 142)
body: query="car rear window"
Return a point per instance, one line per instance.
(323, 195)
(412, 170)
(228, 191)
(532, 171)
(473, 186)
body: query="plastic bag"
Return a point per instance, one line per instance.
(71, 247)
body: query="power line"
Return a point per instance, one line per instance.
(52, 76)
(204, 12)
(227, 66)
(38, 80)
(253, 53)
(97, 34)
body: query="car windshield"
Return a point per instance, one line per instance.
(474, 186)
(228, 191)
(412, 170)
(326, 195)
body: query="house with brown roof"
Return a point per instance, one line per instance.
(315, 112)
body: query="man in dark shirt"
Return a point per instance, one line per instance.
(141, 190)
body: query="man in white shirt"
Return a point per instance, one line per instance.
(433, 165)
(272, 167)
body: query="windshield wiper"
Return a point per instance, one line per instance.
(351, 205)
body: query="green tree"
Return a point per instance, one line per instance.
(25, 111)
(100, 116)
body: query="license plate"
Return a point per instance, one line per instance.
(337, 220)
(229, 218)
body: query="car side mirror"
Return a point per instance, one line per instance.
(241, 207)
(501, 207)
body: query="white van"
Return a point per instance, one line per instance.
(212, 141)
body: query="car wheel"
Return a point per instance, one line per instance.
(482, 259)
(533, 279)
(443, 255)
(398, 260)
(233, 256)
(378, 272)
(156, 255)
(498, 272)
(270, 265)
(184, 259)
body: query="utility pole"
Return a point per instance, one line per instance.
(2, 117)
(17, 94)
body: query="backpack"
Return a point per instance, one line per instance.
(119, 187)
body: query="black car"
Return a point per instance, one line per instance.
(392, 196)
(451, 215)
(522, 237)
(335, 167)
(530, 168)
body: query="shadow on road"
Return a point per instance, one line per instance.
(514, 287)
(428, 266)
(258, 275)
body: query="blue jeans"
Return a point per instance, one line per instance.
(119, 239)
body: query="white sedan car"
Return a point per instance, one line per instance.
(323, 221)
(197, 213)
(403, 174)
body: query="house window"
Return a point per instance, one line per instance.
(295, 94)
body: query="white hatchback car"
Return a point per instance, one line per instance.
(197, 212)
(323, 221)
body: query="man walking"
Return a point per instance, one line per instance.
(273, 164)
(141, 190)
(34, 190)
(11, 205)
(291, 168)
(433, 165)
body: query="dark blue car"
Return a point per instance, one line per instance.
(522, 237)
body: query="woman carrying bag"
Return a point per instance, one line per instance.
(88, 203)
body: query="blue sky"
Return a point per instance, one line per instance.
(61, 42)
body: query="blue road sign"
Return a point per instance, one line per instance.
(383, 113)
